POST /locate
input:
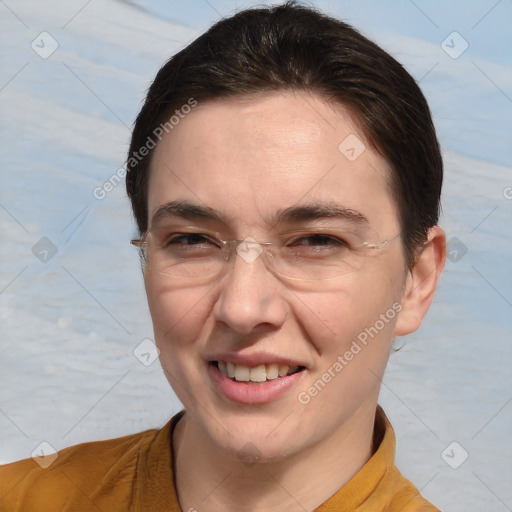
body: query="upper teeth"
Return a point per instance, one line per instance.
(259, 373)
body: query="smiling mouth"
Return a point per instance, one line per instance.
(256, 374)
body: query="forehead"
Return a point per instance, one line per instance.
(249, 157)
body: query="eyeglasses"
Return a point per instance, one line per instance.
(309, 254)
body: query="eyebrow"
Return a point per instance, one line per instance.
(186, 210)
(292, 214)
(315, 211)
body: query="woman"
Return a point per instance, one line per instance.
(285, 178)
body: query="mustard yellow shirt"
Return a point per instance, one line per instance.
(135, 473)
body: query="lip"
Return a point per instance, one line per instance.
(255, 393)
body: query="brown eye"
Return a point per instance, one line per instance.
(193, 239)
(319, 240)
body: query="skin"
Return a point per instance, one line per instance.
(247, 158)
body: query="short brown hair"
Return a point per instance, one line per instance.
(292, 47)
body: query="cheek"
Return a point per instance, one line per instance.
(178, 316)
(334, 319)
(351, 332)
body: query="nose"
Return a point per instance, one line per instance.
(250, 297)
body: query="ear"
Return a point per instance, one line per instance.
(421, 282)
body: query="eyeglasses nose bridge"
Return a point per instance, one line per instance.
(230, 247)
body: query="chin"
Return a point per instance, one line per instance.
(252, 439)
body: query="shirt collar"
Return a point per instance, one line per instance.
(156, 485)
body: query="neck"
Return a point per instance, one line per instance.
(208, 480)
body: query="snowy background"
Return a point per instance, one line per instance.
(72, 304)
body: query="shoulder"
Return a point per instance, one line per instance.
(80, 476)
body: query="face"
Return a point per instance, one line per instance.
(247, 159)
